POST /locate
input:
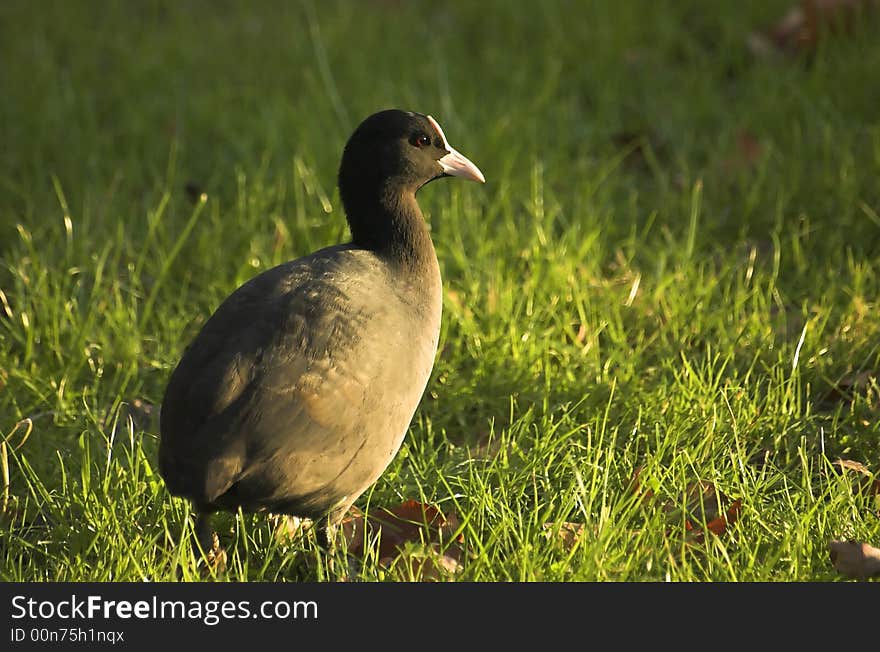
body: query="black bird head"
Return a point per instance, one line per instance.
(401, 150)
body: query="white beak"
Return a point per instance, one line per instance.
(455, 163)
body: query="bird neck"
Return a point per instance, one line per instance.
(391, 223)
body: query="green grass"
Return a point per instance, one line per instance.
(623, 293)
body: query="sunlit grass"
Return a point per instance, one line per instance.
(628, 291)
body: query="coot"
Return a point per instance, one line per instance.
(297, 393)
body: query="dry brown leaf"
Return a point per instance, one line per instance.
(411, 522)
(855, 559)
(867, 484)
(703, 500)
(707, 504)
(719, 524)
(704, 503)
(852, 465)
(425, 564)
(801, 28)
(566, 533)
(415, 540)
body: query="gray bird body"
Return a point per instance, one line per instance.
(282, 403)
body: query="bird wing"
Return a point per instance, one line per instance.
(270, 381)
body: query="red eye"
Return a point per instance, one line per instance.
(421, 140)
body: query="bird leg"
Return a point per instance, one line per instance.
(203, 534)
(208, 542)
(327, 536)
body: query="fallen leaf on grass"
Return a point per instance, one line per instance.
(852, 465)
(411, 521)
(703, 503)
(854, 559)
(566, 533)
(717, 525)
(420, 533)
(415, 540)
(424, 564)
(708, 504)
(867, 484)
(801, 28)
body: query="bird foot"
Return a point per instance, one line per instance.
(213, 555)
(215, 558)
